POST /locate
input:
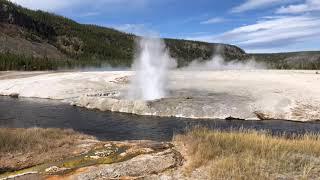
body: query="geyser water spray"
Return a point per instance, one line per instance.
(151, 64)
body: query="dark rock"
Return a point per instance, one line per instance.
(14, 95)
(230, 118)
(261, 116)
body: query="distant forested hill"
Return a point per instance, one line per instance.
(37, 40)
(292, 60)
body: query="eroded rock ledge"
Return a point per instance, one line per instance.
(109, 160)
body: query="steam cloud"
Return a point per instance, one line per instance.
(153, 62)
(218, 63)
(151, 65)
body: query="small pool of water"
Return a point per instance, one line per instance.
(27, 113)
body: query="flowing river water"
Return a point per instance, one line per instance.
(27, 113)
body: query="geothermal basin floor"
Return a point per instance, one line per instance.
(244, 94)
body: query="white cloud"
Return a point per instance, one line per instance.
(89, 14)
(275, 33)
(308, 6)
(254, 4)
(137, 29)
(213, 20)
(56, 5)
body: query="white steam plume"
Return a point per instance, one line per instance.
(218, 63)
(151, 65)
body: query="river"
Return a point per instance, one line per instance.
(27, 113)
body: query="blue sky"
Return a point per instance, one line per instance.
(254, 25)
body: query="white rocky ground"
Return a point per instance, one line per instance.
(245, 94)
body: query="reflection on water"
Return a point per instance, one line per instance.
(25, 113)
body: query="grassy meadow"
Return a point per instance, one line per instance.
(251, 154)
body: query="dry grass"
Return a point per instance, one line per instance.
(21, 148)
(251, 154)
(36, 139)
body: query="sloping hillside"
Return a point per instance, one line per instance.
(37, 40)
(292, 60)
(29, 38)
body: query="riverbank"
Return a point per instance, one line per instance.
(242, 94)
(247, 154)
(23, 148)
(37, 153)
(197, 154)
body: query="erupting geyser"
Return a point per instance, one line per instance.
(151, 65)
